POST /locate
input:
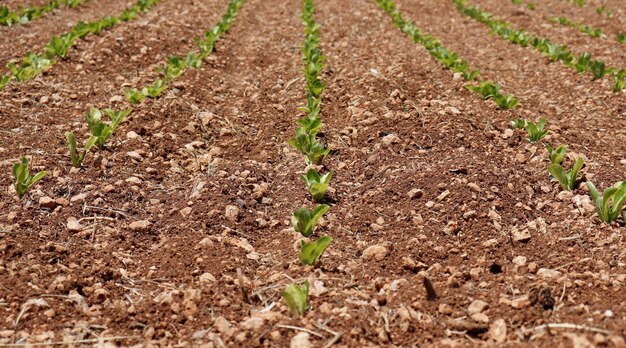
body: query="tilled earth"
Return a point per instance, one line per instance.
(178, 233)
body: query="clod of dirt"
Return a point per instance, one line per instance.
(542, 296)
(232, 213)
(375, 252)
(300, 340)
(139, 226)
(497, 331)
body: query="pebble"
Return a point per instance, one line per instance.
(520, 236)
(375, 252)
(477, 307)
(185, 212)
(300, 340)
(232, 213)
(519, 261)
(548, 273)
(73, 225)
(79, 198)
(415, 193)
(497, 331)
(140, 225)
(48, 202)
(520, 302)
(253, 324)
(132, 135)
(207, 278)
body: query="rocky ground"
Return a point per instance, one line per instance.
(448, 230)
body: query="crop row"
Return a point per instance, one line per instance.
(58, 46)
(562, 20)
(101, 131)
(451, 60)
(608, 204)
(27, 14)
(305, 141)
(583, 63)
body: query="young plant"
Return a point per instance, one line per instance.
(173, 69)
(317, 184)
(621, 38)
(102, 131)
(486, 89)
(23, 179)
(58, 46)
(598, 69)
(296, 297)
(536, 131)
(618, 76)
(311, 252)
(505, 102)
(304, 220)
(4, 80)
(583, 63)
(568, 180)
(77, 156)
(153, 91)
(134, 96)
(609, 204)
(556, 155)
(306, 143)
(30, 67)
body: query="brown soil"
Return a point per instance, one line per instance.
(217, 143)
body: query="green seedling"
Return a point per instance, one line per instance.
(610, 203)
(296, 297)
(311, 252)
(23, 179)
(304, 220)
(102, 131)
(317, 184)
(536, 131)
(4, 80)
(556, 155)
(486, 89)
(77, 156)
(30, 67)
(598, 69)
(58, 46)
(306, 143)
(193, 60)
(173, 69)
(134, 96)
(505, 102)
(621, 38)
(153, 91)
(583, 63)
(569, 179)
(618, 85)
(519, 123)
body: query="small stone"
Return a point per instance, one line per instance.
(443, 195)
(470, 214)
(134, 155)
(207, 278)
(522, 236)
(253, 324)
(480, 317)
(206, 243)
(451, 228)
(507, 133)
(139, 226)
(474, 187)
(477, 307)
(497, 331)
(415, 193)
(132, 135)
(47, 202)
(390, 139)
(116, 99)
(73, 225)
(223, 326)
(232, 213)
(376, 252)
(564, 196)
(134, 180)
(451, 110)
(185, 212)
(300, 340)
(520, 302)
(519, 261)
(79, 198)
(491, 243)
(548, 273)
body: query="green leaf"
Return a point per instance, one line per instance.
(311, 252)
(304, 220)
(296, 297)
(317, 184)
(557, 171)
(23, 179)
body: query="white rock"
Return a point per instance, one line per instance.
(207, 278)
(548, 273)
(140, 225)
(232, 212)
(477, 306)
(73, 225)
(497, 331)
(252, 324)
(300, 340)
(519, 261)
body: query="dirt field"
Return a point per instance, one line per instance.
(178, 232)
